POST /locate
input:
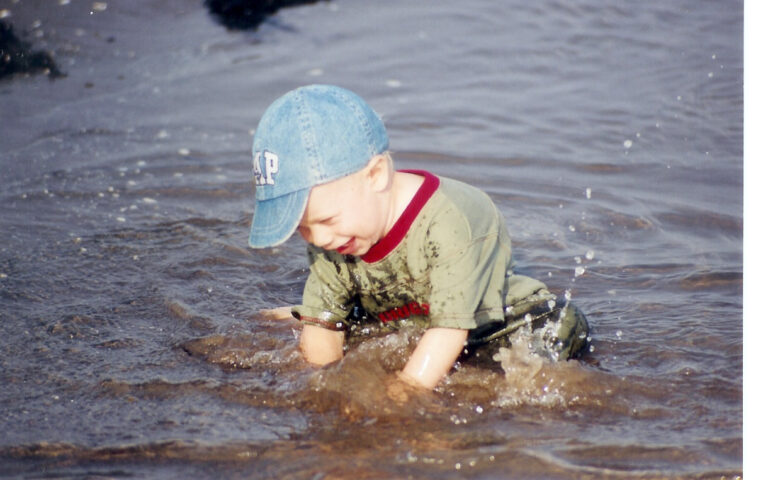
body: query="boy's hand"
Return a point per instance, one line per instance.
(279, 313)
(397, 391)
(399, 387)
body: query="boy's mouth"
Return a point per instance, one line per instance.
(347, 248)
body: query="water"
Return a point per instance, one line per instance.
(610, 135)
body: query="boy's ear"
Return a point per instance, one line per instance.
(379, 172)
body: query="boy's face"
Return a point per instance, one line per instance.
(344, 215)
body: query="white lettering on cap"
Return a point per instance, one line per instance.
(265, 175)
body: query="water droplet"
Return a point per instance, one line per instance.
(627, 143)
(619, 333)
(588, 192)
(578, 271)
(551, 304)
(589, 255)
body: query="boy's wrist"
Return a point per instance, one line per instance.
(408, 380)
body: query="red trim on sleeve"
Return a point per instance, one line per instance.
(392, 239)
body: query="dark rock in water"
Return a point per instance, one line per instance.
(247, 14)
(16, 56)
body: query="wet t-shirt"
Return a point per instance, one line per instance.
(447, 262)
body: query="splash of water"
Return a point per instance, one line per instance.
(534, 379)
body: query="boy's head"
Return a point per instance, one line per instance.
(310, 136)
(350, 215)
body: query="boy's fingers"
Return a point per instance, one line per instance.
(396, 391)
(279, 313)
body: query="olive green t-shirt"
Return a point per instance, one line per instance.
(447, 262)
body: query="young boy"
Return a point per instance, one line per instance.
(390, 248)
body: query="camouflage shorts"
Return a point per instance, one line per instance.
(554, 328)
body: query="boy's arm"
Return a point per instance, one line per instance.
(321, 346)
(434, 356)
(279, 313)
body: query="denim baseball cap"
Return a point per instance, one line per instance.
(309, 136)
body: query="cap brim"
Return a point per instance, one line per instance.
(275, 220)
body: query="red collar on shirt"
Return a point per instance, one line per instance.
(392, 239)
